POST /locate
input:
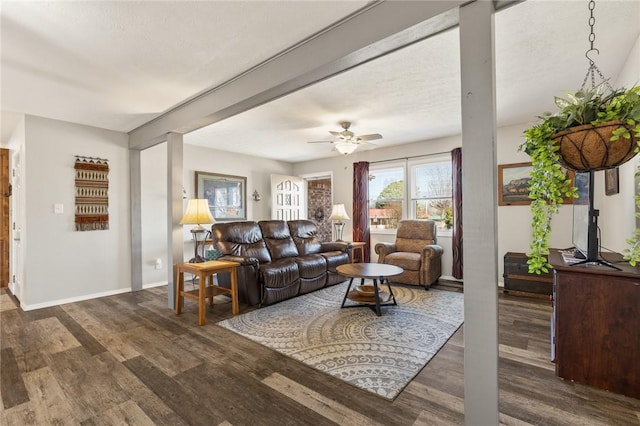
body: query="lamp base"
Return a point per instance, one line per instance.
(339, 227)
(197, 259)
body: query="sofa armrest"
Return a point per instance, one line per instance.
(383, 249)
(243, 261)
(342, 246)
(431, 251)
(248, 285)
(431, 265)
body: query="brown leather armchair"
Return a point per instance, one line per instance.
(415, 251)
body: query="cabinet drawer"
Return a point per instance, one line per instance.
(529, 285)
(517, 277)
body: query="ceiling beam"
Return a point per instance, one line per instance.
(374, 31)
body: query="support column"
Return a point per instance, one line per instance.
(175, 238)
(480, 215)
(135, 189)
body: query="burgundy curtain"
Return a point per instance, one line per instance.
(361, 206)
(456, 240)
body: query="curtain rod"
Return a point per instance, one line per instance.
(413, 156)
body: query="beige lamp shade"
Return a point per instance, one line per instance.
(339, 213)
(197, 212)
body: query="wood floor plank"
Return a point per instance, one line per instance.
(430, 418)
(443, 399)
(264, 407)
(47, 397)
(50, 336)
(127, 413)
(187, 405)
(87, 381)
(111, 341)
(526, 357)
(322, 405)
(7, 303)
(14, 390)
(510, 421)
(85, 339)
(170, 358)
(144, 397)
(527, 409)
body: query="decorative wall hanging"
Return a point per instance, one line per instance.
(92, 193)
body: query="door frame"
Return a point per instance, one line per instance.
(5, 212)
(306, 177)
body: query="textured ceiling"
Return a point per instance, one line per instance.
(118, 64)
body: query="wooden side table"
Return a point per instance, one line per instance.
(357, 246)
(205, 272)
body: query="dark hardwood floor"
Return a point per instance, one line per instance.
(128, 359)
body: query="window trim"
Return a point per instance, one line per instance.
(386, 166)
(408, 205)
(416, 162)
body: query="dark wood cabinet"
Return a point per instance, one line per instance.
(517, 277)
(596, 321)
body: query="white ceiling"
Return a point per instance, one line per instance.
(116, 65)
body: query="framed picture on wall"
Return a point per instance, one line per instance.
(513, 184)
(227, 195)
(612, 181)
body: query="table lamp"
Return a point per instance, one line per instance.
(338, 214)
(197, 213)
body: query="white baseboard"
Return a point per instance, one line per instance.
(51, 303)
(152, 285)
(85, 297)
(450, 278)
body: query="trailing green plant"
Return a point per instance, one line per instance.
(549, 184)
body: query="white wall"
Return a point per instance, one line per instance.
(617, 220)
(63, 264)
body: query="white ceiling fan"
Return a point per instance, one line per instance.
(346, 141)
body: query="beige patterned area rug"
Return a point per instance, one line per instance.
(379, 354)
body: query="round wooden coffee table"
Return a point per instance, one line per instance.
(364, 296)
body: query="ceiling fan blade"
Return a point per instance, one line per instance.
(336, 134)
(367, 143)
(371, 137)
(320, 142)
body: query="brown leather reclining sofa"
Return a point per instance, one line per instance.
(279, 259)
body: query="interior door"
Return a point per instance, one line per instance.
(287, 198)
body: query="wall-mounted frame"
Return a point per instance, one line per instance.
(513, 184)
(227, 195)
(611, 181)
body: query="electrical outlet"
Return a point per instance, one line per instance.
(158, 263)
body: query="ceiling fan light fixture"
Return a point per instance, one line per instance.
(346, 147)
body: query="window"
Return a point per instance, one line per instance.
(386, 197)
(427, 188)
(431, 192)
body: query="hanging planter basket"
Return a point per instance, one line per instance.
(589, 148)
